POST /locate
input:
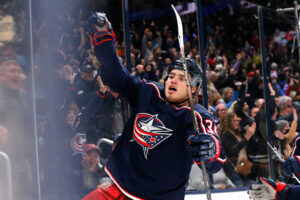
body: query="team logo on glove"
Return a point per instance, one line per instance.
(149, 131)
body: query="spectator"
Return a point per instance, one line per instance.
(227, 96)
(285, 106)
(211, 77)
(7, 26)
(85, 84)
(286, 135)
(101, 116)
(241, 108)
(63, 88)
(140, 71)
(150, 73)
(235, 146)
(259, 103)
(255, 86)
(293, 87)
(60, 165)
(16, 138)
(275, 84)
(158, 58)
(221, 111)
(91, 174)
(254, 111)
(148, 51)
(257, 149)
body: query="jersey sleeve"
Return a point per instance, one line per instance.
(114, 74)
(293, 192)
(207, 126)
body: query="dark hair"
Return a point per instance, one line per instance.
(226, 124)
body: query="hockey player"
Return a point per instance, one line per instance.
(269, 190)
(153, 157)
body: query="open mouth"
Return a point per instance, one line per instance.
(15, 80)
(171, 88)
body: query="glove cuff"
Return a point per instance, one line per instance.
(218, 149)
(281, 190)
(101, 37)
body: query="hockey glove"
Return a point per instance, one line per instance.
(268, 189)
(100, 29)
(201, 146)
(291, 165)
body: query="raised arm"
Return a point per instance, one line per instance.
(113, 72)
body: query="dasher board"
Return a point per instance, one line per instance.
(232, 195)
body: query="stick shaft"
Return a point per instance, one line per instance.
(190, 99)
(280, 157)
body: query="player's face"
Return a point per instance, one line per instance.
(176, 88)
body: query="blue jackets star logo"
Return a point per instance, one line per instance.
(78, 143)
(149, 131)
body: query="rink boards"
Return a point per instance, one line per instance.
(238, 194)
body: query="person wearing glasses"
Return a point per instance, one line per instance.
(235, 146)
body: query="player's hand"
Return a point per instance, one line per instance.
(98, 22)
(201, 146)
(99, 28)
(267, 189)
(291, 165)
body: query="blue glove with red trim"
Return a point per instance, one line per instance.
(291, 165)
(268, 189)
(100, 29)
(201, 146)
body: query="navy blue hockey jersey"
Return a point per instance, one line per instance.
(150, 160)
(293, 193)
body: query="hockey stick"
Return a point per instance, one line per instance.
(280, 157)
(190, 98)
(278, 154)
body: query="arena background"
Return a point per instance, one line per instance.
(36, 160)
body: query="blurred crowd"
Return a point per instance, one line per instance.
(74, 108)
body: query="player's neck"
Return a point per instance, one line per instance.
(182, 103)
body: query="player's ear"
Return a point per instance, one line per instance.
(194, 89)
